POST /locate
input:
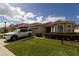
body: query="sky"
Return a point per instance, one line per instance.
(14, 13)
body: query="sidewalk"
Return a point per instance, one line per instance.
(4, 51)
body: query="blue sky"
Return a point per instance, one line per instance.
(70, 11)
(43, 10)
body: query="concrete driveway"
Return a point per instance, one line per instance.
(4, 51)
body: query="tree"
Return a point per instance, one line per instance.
(12, 27)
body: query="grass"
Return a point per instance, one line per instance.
(1, 35)
(43, 47)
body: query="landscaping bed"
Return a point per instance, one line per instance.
(65, 36)
(43, 47)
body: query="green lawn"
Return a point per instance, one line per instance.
(42, 47)
(1, 35)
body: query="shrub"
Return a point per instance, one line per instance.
(38, 34)
(58, 35)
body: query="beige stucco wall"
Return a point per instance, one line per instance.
(54, 28)
(38, 29)
(76, 30)
(71, 28)
(65, 26)
(41, 29)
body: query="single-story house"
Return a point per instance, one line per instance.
(57, 26)
(76, 29)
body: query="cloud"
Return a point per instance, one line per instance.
(29, 18)
(17, 14)
(10, 12)
(29, 21)
(53, 19)
(39, 19)
(29, 15)
(77, 16)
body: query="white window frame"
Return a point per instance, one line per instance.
(67, 28)
(60, 25)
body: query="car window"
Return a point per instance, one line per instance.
(17, 30)
(24, 30)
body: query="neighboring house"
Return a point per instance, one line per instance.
(22, 25)
(76, 29)
(57, 26)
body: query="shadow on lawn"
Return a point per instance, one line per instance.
(20, 39)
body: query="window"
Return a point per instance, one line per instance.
(68, 25)
(23, 30)
(69, 28)
(60, 28)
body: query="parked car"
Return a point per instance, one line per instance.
(17, 34)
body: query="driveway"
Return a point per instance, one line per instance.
(4, 51)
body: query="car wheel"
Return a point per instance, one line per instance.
(29, 34)
(14, 38)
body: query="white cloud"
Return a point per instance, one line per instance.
(77, 16)
(17, 14)
(39, 19)
(3, 24)
(28, 18)
(29, 21)
(29, 15)
(10, 12)
(53, 19)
